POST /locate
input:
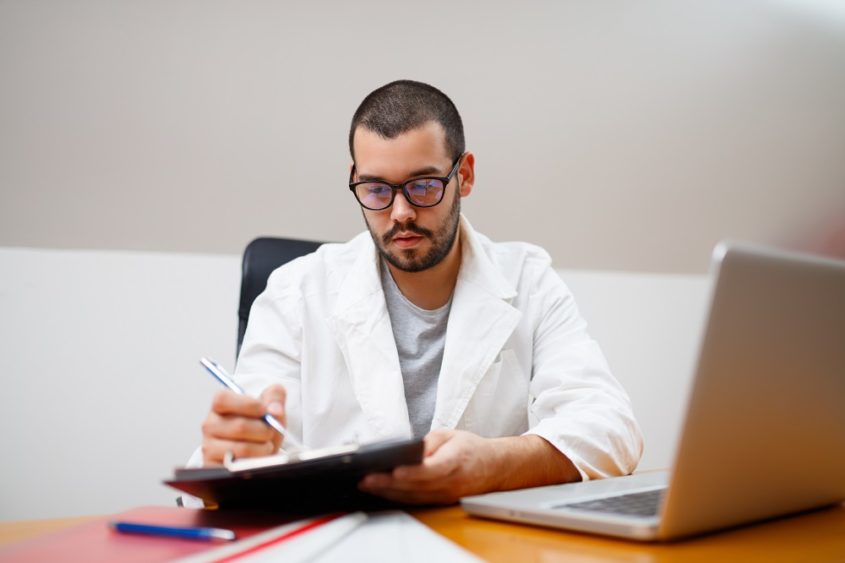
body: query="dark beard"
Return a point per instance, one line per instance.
(442, 242)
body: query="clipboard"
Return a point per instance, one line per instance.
(306, 482)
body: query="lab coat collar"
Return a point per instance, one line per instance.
(361, 326)
(480, 322)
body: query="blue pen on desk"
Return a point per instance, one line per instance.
(184, 532)
(218, 372)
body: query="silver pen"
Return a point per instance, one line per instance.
(220, 374)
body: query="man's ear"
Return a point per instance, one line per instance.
(466, 173)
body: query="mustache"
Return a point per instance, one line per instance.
(409, 227)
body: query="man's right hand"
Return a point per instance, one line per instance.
(235, 424)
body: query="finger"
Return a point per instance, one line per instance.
(375, 480)
(441, 464)
(386, 481)
(214, 449)
(435, 439)
(228, 403)
(275, 392)
(273, 399)
(238, 428)
(275, 436)
(439, 496)
(430, 469)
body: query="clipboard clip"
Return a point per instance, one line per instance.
(283, 458)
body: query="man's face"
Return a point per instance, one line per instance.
(410, 238)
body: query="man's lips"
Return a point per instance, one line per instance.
(405, 240)
(406, 236)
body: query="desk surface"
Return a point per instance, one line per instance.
(815, 536)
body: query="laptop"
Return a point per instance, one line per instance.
(764, 431)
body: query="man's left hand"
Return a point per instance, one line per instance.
(456, 463)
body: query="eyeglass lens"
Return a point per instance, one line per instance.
(424, 192)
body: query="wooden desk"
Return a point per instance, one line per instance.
(816, 536)
(25, 529)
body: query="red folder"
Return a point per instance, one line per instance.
(96, 541)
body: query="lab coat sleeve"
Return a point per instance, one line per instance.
(575, 402)
(272, 347)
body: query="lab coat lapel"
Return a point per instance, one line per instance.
(361, 326)
(480, 322)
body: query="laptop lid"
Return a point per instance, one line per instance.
(764, 433)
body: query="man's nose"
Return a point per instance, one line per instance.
(402, 211)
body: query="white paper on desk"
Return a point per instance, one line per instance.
(394, 536)
(309, 545)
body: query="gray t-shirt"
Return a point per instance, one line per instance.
(420, 337)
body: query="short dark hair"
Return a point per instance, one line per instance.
(403, 105)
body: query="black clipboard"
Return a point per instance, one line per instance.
(312, 481)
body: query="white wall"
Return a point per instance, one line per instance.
(102, 394)
(102, 390)
(620, 135)
(648, 326)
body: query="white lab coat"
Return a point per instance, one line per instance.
(517, 358)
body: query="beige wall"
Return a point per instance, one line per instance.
(619, 135)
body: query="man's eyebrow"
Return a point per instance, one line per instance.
(425, 171)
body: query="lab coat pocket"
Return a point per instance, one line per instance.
(498, 406)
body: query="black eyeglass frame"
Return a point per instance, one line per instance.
(403, 187)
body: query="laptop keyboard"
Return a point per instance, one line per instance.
(633, 504)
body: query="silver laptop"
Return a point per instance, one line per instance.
(764, 433)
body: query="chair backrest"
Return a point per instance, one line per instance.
(261, 257)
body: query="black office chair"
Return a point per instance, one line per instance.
(261, 257)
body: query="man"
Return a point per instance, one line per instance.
(425, 327)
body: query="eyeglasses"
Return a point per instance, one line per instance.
(421, 192)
